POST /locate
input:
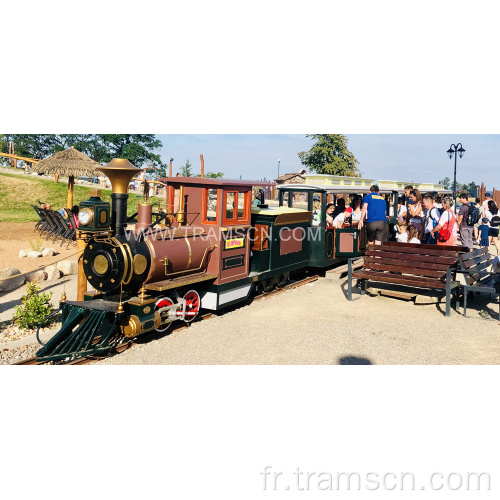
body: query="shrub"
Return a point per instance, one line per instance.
(35, 306)
(36, 244)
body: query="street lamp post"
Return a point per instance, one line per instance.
(279, 161)
(453, 151)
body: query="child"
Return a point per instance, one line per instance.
(401, 234)
(412, 235)
(316, 214)
(483, 233)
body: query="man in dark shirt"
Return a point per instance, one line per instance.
(466, 231)
(375, 212)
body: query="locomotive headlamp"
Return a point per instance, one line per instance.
(94, 214)
(85, 216)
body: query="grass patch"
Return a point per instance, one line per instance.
(18, 192)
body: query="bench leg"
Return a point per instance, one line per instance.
(448, 292)
(465, 302)
(349, 279)
(363, 287)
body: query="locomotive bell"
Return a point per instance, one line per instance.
(120, 172)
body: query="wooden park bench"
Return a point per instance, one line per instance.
(423, 266)
(478, 279)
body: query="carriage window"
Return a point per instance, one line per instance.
(237, 207)
(230, 205)
(299, 199)
(241, 205)
(210, 205)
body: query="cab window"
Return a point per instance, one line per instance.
(210, 206)
(236, 207)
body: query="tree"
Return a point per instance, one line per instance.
(139, 149)
(186, 170)
(211, 175)
(445, 182)
(472, 188)
(329, 155)
(37, 146)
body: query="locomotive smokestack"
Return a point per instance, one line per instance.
(120, 172)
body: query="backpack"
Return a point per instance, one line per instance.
(473, 215)
(495, 221)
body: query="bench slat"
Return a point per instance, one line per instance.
(454, 248)
(477, 252)
(476, 260)
(403, 249)
(399, 279)
(413, 257)
(413, 264)
(431, 273)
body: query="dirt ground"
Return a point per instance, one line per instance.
(316, 324)
(17, 236)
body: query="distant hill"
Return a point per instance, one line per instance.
(18, 192)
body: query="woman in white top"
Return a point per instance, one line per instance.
(493, 217)
(447, 219)
(402, 209)
(416, 211)
(356, 211)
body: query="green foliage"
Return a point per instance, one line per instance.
(445, 182)
(330, 155)
(186, 170)
(137, 148)
(35, 306)
(212, 175)
(36, 244)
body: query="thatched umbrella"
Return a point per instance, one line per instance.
(70, 162)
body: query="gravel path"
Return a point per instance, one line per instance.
(315, 324)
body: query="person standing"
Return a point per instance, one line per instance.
(447, 222)
(375, 212)
(480, 207)
(487, 197)
(416, 212)
(494, 222)
(432, 217)
(484, 230)
(466, 231)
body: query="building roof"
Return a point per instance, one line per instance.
(287, 177)
(203, 181)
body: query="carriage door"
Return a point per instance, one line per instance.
(235, 242)
(346, 242)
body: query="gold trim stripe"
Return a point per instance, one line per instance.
(173, 284)
(188, 243)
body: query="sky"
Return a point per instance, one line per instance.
(404, 157)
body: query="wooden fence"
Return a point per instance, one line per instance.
(495, 194)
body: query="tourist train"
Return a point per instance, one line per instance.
(209, 248)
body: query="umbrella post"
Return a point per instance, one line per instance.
(71, 183)
(82, 281)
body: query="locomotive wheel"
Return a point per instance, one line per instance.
(193, 303)
(163, 302)
(282, 280)
(266, 286)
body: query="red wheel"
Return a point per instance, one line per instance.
(193, 303)
(163, 302)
